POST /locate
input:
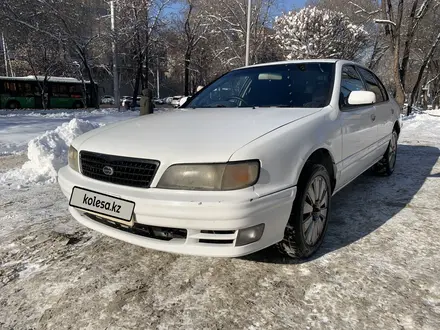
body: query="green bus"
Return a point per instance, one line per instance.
(60, 92)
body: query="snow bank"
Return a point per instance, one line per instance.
(47, 153)
(17, 128)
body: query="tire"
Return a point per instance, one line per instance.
(12, 105)
(77, 105)
(300, 241)
(386, 165)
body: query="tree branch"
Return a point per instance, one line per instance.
(384, 21)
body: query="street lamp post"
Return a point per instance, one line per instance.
(158, 78)
(115, 64)
(5, 54)
(248, 31)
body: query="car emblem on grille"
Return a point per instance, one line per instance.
(108, 170)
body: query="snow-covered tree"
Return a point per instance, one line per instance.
(319, 33)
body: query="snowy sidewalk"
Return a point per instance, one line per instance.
(378, 268)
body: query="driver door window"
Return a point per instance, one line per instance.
(372, 85)
(350, 81)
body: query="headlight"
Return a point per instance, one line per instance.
(228, 176)
(73, 159)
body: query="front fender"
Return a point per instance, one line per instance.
(284, 151)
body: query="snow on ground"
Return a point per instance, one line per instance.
(378, 268)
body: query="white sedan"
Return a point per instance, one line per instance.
(176, 101)
(107, 99)
(252, 161)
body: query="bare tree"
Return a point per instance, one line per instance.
(393, 16)
(425, 62)
(413, 21)
(140, 21)
(195, 28)
(55, 20)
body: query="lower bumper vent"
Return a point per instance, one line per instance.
(162, 233)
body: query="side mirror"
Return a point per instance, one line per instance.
(361, 98)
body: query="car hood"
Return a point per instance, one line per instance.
(189, 135)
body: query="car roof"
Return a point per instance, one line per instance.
(326, 60)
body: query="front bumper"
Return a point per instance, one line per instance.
(202, 214)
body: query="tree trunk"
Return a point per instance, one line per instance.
(435, 101)
(93, 87)
(138, 75)
(400, 92)
(373, 53)
(409, 38)
(137, 82)
(384, 16)
(146, 79)
(425, 100)
(42, 88)
(83, 83)
(187, 63)
(424, 91)
(44, 99)
(146, 68)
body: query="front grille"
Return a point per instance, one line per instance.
(127, 171)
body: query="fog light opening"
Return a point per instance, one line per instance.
(249, 235)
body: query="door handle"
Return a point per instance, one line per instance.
(373, 117)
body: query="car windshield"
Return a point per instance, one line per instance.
(299, 85)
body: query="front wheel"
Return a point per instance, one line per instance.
(308, 221)
(386, 165)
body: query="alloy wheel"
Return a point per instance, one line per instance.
(315, 210)
(393, 150)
